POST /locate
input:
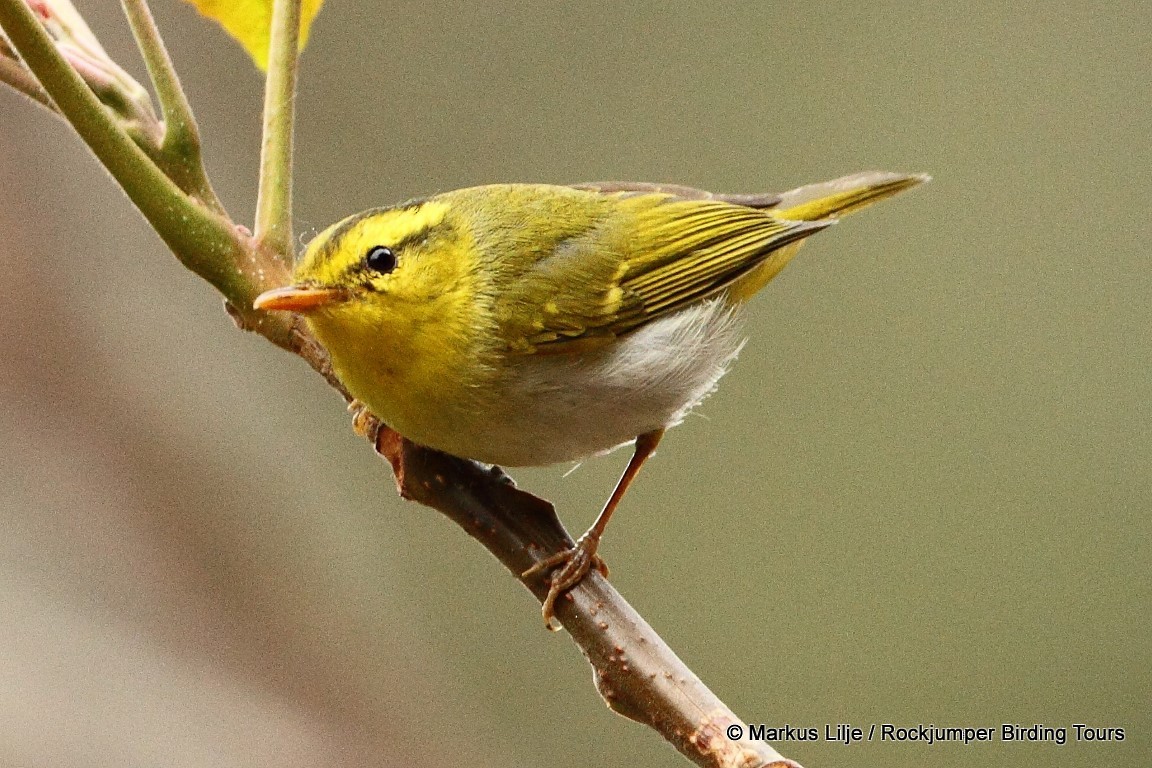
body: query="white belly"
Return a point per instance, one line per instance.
(554, 408)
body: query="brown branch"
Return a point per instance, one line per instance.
(637, 674)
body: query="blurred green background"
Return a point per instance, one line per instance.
(921, 496)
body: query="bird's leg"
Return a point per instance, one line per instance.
(577, 561)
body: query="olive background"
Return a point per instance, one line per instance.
(921, 496)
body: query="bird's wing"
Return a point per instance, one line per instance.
(752, 200)
(837, 197)
(652, 256)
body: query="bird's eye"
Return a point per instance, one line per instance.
(380, 259)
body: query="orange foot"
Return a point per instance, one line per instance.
(574, 566)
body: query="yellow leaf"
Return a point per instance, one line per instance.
(250, 22)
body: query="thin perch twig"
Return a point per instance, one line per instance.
(636, 673)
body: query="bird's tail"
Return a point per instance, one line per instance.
(826, 202)
(840, 197)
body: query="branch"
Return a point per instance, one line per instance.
(636, 673)
(181, 142)
(206, 242)
(274, 200)
(16, 75)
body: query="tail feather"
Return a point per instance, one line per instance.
(824, 202)
(840, 197)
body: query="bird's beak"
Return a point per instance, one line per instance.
(294, 298)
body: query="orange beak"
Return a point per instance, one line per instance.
(294, 298)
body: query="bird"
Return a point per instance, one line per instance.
(534, 324)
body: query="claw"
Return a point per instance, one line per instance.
(577, 561)
(572, 565)
(363, 422)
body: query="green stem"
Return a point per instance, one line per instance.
(180, 146)
(206, 242)
(14, 74)
(274, 201)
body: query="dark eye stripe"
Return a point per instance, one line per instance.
(416, 238)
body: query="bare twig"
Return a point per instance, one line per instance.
(181, 142)
(274, 200)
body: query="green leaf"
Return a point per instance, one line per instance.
(250, 22)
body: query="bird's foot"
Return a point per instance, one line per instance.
(364, 423)
(572, 565)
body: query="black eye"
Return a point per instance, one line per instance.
(380, 259)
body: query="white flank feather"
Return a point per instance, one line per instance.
(555, 408)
